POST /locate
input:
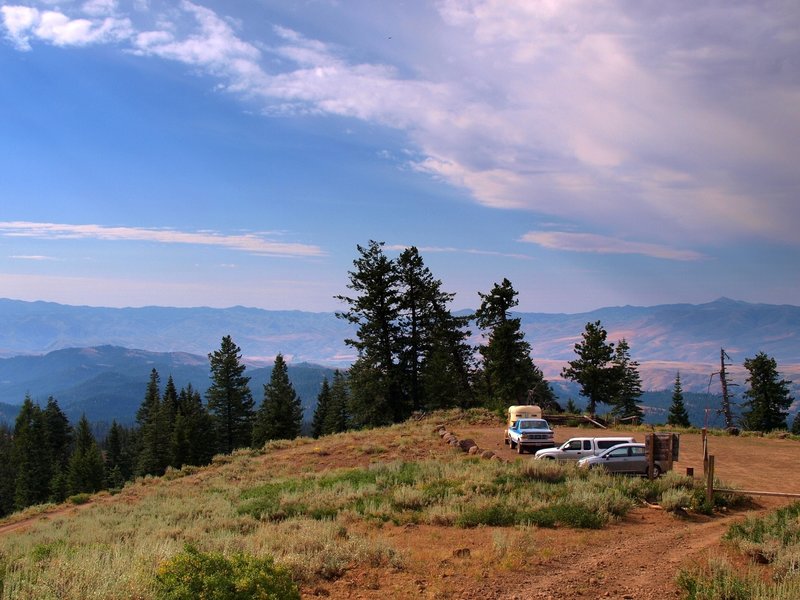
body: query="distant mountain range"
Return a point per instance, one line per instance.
(88, 357)
(109, 382)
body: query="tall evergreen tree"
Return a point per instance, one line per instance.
(118, 464)
(509, 375)
(31, 456)
(229, 398)
(434, 356)
(8, 471)
(336, 416)
(154, 451)
(628, 386)
(280, 415)
(768, 398)
(193, 439)
(59, 443)
(377, 397)
(86, 471)
(571, 407)
(323, 402)
(677, 410)
(796, 424)
(594, 369)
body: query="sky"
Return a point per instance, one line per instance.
(595, 153)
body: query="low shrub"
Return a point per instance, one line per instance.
(676, 500)
(195, 575)
(82, 498)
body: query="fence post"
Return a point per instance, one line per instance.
(710, 480)
(704, 441)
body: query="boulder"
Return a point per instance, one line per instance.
(474, 450)
(487, 454)
(465, 445)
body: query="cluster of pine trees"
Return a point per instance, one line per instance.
(44, 459)
(413, 352)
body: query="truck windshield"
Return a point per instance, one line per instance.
(532, 424)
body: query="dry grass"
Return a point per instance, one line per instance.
(323, 504)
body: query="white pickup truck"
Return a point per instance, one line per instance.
(529, 434)
(581, 447)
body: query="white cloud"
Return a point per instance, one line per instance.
(54, 27)
(18, 20)
(252, 243)
(100, 8)
(599, 244)
(34, 257)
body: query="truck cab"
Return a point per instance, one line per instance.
(530, 434)
(517, 412)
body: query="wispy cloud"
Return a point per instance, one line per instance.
(599, 244)
(34, 257)
(453, 250)
(252, 243)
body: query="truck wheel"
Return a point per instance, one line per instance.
(520, 449)
(512, 443)
(550, 457)
(656, 471)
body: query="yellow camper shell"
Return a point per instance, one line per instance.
(521, 411)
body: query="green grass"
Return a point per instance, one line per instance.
(772, 543)
(465, 493)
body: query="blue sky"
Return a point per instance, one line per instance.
(234, 153)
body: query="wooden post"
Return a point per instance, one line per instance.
(710, 480)
(704, 440)
(651, 456)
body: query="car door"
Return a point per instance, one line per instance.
(616, 461)
(572, 450)
(638, 460)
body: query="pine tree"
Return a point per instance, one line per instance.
(169, 405)
(376, 393)
(768, 398)
(509, 375)
(433, 355)
(280, 415)
(320, 412)
(336, 416)
(8, 471)
(31, 456)
(677, 410)
(59, 442)
(593, 369)
(571, 407)
(85, 472)
(154, 451)
(796, 424)
(193, 439)
(628, 386)
(229, 398)
(118, 456)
